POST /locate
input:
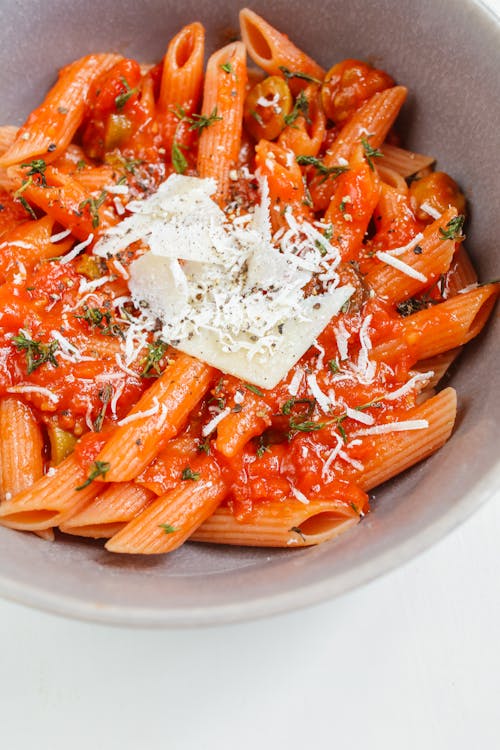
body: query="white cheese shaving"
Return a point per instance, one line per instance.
(239, 397)
(359, 416)
(299, 495)
(321, 398)
(400, 266)
(77, 249)
(295, 382)
(381, 429)
(224, 292)
(60, 236)
(141, 414)
(34, 389)
(352, 461)
(116, 189)
(342, 338)
(210, 426)
(420, 377)
(428, 209)
(119, 207)
(409, 246)
(325, 471)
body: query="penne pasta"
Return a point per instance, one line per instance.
(106, 514)
(402, 161)
(286, 523)
(223, 98)
(21, 446)
(171, 518)
(272, 51)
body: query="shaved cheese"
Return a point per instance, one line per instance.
(60, 236)
(119, 207)
(352, 461)
(210, 426)
(430, 210)
(381, 429)
(141, 414)
(299, 495)
(409, 246)
(239, 397)
(359, 416)
(34, 389)
(117, 393)
(401, 266)
(325, 471)
(90, 286)
(342, 338)
(295, 382)
(77, 249)
(420, 377)
(117, 189)
(322, 399)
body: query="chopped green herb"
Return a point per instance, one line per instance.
(94, 205)
(24, 203)
(298, 74)
(227, 67)
(100, 469)
(453, 229)
(333, 365)
(301, 107)
(370, 152)
(37, 167)
(102, 320)
(105, 398)
(320, 167)
(81, 164)
(328, 233)
(257, 117)
(179, 161)
(123, 98)
(253, 388)
(156, 352)
(263, 447)
(204, 447)
(37, 354)
(298, 530)
(187, 473)
(297, 424)
(289, 405)
(343, 433)
(198, 122)
(411, 305)
(167, 528)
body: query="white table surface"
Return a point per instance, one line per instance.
(409, 662)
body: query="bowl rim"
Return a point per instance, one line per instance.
(273, 604)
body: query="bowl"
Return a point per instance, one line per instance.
(448, 54)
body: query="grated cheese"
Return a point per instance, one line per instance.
(400, 266)
(420, 377)
(321, 398)
(60, 236)
(223, 291)
(299, 495)
(409, 246)
(210, 426)
(141, 414)
(34, 389)
(381, 429)
(77, 249)
(359, 416)
(295, 382)
(430, 210)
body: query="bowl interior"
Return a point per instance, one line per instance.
(448, 55)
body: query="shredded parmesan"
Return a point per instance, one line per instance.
(381, 429)
(77, 249)
(210, 426)
(420, 377)
(299, 495)
(359, 416)
(141, 414)
(116, 189)
(409, 246)
(60, 236)
(325, 472)
(322, 399)
(430, 210)
(34, 389)
(400, 266)
(295, 382)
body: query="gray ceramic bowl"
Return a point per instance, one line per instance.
(448, 54)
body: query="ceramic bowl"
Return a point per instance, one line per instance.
(448, 54)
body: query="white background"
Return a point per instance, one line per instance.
(411, 661)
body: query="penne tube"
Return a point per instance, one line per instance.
(50, 128)
(172, 518)
(272, 51)
(372, 121)
(236, 429)
(181, 80)
(433, 259)
(391, 453)
(7, 137)
(402, 161)
(21, 447)
(28, 244)
(392, 178)
(439, 328)
(462, 273)
(47, 534)
(223, 99)
(287, 523)
(305, 135)
(51, 500)
(439, 365)
(284, 178)
(104, 515)
(157, 416)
